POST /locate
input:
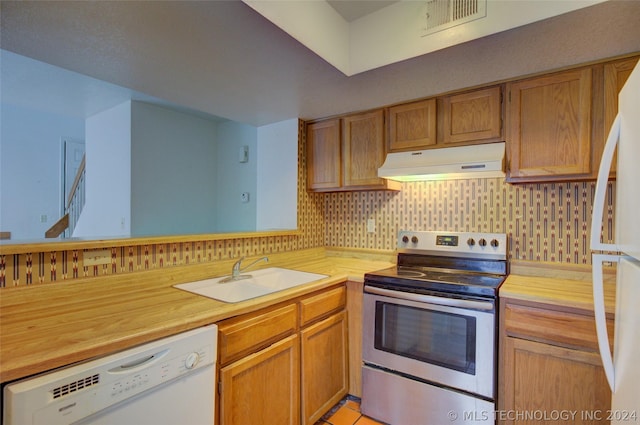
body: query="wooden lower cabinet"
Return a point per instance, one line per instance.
(263, 388)
(549, 368)
(287, 364)
(324, 366)
(555, 382)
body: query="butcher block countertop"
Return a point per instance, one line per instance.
(48, 326)
(567, 288)
(51, 325)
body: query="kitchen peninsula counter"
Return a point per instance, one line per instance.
(46, 326)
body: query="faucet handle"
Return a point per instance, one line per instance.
(236, 266)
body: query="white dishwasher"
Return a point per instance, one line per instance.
(171, 381)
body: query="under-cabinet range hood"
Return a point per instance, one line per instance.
(460, 162)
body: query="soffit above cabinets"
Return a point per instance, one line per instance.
(357, 36)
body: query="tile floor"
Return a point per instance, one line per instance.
(347, 412)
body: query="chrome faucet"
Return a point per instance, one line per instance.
(236, 270)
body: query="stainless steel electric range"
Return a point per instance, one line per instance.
(430, 330)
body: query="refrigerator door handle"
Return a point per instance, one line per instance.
(601, 319)
(601, 188)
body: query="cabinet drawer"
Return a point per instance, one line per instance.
(556, 327)
(243, 335)
(322, 304)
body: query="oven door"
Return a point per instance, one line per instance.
(447, 341)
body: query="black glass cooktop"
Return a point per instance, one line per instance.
(400, 278)
(422, 275)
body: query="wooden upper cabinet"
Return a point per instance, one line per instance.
(472, 117)
(324, 155)
(363, 149)
(345, 153)
(459, 119)
(555, 127)
(615, 75)
(549, 127)
(412, 126)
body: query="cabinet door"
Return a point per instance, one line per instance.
(615, 75)
(545, 379)
(412, 126)
(324, 156)
(363, 149)
(324, 366)
(263, 388)
(549, 127)
(471, 117)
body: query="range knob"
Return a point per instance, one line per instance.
(414, 239)
(405, 239)
(494, 243)
(471, 242)
(192, 360)
(482, 242)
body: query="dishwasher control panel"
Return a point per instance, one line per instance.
(76, 392)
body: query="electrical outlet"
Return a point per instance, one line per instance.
(245, 197)
(371, 225)
(96, 257)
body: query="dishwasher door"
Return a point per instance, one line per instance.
(166, 382)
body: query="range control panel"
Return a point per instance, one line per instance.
(489, 245)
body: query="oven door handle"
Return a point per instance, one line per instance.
(431, 299)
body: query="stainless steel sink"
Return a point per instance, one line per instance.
(261, 282)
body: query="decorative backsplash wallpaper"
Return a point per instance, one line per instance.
(544, 222)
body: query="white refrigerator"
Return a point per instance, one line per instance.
(623, 367)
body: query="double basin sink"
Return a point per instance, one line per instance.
(261, 282)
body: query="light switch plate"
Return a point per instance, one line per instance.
(243, 154)
(96, 257)
(371, 225)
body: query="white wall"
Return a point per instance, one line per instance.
(30, 189)
(173, 175)
(234, 178)
(277, 199)
(107, 210)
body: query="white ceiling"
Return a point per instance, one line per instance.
(352, 10)
(224, 59)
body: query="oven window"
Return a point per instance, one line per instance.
(443, 339)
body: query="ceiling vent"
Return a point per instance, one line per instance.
(439, 15)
